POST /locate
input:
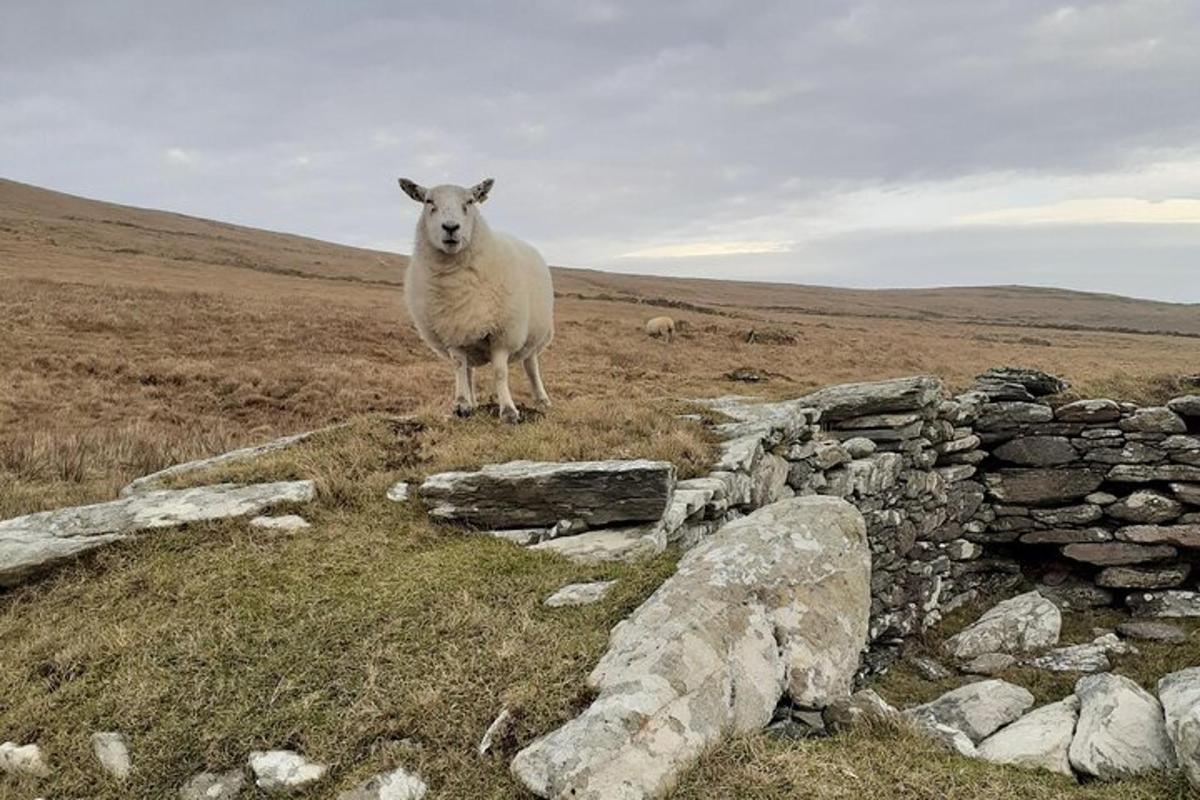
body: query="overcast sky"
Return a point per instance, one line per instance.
(915, 143)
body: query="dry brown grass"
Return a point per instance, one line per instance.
(130, 340)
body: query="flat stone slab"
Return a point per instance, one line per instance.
(1147, 473)
(875, 397)
(1178, 535)
(1037, 451)
(776, 600)
(527, 494)
(1046, 486)
(1152, 631)
(607, 545)
(38, 541)
(155, 480)
(579, 594)
(1169, 603)
(1111, 554)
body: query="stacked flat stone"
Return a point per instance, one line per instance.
(1106, 492)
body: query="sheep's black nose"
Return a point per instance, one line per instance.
(450, 227)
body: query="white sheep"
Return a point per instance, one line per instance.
(477, 296)
(661, 326)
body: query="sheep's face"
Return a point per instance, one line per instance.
(449, 214)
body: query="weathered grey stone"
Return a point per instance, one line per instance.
(1145, 506)
(36, 542)
(1152, 631)
(1103, 433)
(112, 751)
(740, 454)
(989, 664)
(1037, 382)
(1037, 451)
(963, 550)
(398, 492)
(947, 736)
(1001, 416)
(524, 494)
(789, 419)
(399, 784)
(1186, 406)
(1180, 442)
(1186, 492)
(878, 397)
(881, 435)
(1038, 740)
(1066, 536)
(959, 445)
(1101, 499)
(214, 786)
(775, 601)
(579, 594)
(1042, 486)
(1129, 453)
(609, 544)
(1074, 595)
(864, 706)
(283, 522)
(1019, 624)
(1090, 411)
(865, 476)
(1169, 603)
(929, 669)
(1081, 514)
(1120, 733)
(156, 480)
(284, 771)
(23, 760)
(956, 473)
(859, 447)
(769, 478)
(1179, 535)
(1164, 577)
(1089, 657)
(1153, 420)
(1146, 473)
(1179, 694)
(977, 709)
(878, 421)
(1115, 554)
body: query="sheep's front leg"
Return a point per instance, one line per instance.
(508, 409)
(464, 390)
(534, 373)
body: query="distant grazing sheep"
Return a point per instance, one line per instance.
(477, 296)
(663, 327)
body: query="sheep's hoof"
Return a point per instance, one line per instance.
(543, 403)
(510, 415)
(463, 410)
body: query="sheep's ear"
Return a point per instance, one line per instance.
(413, 190)
(480, 190)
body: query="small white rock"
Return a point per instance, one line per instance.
(579, 594)
(399, 784)
(112, 751)
(285, 522)
(398, 493)
(23, 760)
(213, 786)
(284, 770)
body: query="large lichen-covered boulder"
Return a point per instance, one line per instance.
(35, 542)
(1121, 732)
(776, 601)
(1017, 625)
(527, 494)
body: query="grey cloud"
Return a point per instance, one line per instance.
(603, 122)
